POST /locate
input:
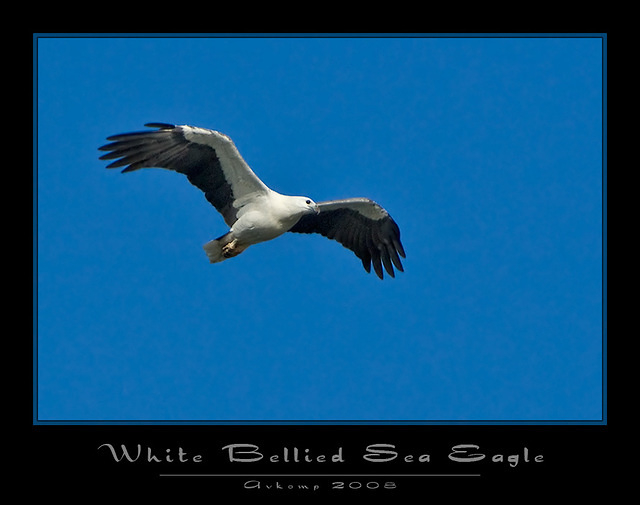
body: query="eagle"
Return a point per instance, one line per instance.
(254, 212)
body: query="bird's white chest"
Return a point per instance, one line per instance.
(265, 221)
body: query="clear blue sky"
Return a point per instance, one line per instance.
(486, 151)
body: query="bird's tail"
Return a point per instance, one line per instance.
(222, 248)
(213, 248)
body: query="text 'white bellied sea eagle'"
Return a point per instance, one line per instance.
(254, 212)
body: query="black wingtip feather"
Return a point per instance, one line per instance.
(162, 126)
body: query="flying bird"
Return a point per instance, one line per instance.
(254, 212)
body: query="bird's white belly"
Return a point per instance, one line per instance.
(254, 227)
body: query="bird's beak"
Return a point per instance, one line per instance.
(316, 209)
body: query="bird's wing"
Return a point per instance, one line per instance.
(361, 225)
(208, 158)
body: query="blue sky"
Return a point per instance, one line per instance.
(486, 151)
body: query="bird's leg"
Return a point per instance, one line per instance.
(229, 250)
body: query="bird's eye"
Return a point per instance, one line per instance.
(308, 202)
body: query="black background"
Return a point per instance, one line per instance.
(575, 459)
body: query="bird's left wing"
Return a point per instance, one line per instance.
(208, 158)
(361, 225)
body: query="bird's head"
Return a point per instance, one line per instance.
(308, 205)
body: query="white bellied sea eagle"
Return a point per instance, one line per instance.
(254, 212)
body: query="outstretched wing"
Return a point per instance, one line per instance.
(361, 225)
(208, 158)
